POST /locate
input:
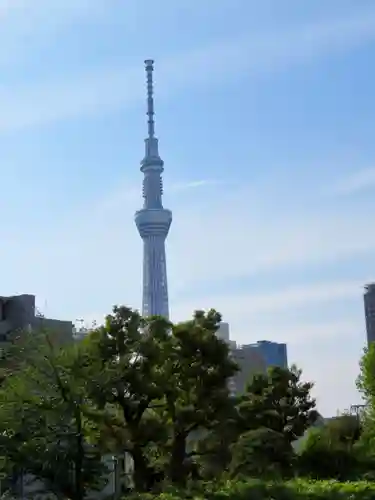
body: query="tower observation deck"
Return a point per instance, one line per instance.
(153, 220)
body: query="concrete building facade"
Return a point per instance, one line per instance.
(248, 358)
(251, 362)
(223, 332)
(252, 358)
(18, 314)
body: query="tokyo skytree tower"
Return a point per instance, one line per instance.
(153, 220)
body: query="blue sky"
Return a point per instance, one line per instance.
(265, 115)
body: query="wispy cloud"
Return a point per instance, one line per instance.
(247, 236)
(361, 180)
(182, 186)
(106, 89)
(235, 307)
(234, 237)
(129, 193)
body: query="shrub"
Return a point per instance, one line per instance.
(261, 490)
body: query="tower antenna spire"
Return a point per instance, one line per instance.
(149, 66)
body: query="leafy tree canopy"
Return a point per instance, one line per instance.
(44, 419)
(280, 401)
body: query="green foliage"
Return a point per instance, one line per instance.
(276, 408)
(346, 429)
(198, 368)
(279, 401)
(330, 451)
(366, 385)
(261, 490)
(158, 392)
(263, 453)
(214, 449)
(125, 380)
(154, 385)
(366, 378)
(44, 426)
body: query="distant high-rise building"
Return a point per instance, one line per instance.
(153, 220)
(252, 358)
(369, 301)
(257, 358)
(274, 354)
(223, 332)
(250, 362)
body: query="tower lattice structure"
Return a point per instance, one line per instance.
(153, 220)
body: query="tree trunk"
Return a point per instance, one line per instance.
(141, 474)
(177, 469)
(78, 464)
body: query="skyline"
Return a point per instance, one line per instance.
(265, 118)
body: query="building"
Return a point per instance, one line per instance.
(223, 332)
(248, 358)
(153, 220)
(18, 313)
(273, 353)
(257, 358)
(251, 362)
(252, 358)
(369, 302)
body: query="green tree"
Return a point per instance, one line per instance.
(276, 404)
(197, 370)
(330, 451)
(214, 450)
(366, 386)
(126, 382)
(156, 385)
(261, 453)
(45, 427)
(278, 400)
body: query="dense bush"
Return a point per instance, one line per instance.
(260, 490)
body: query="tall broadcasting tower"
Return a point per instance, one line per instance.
(153, 221)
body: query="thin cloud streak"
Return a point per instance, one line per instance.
(106, 89)
(283, 299)
(130, 193)
(253, 306)
(258, 239)
(361, 180)
(183, 186)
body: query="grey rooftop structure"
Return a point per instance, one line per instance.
(18, 313)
